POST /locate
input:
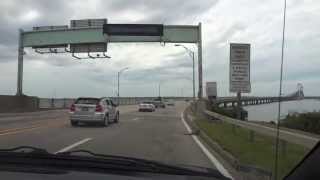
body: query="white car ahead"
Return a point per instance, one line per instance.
(93, 110)
(147, 106)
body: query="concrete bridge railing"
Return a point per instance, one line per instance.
(66, 102)
(252, 100)
(232, 101)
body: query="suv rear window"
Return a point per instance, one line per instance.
(87, 101)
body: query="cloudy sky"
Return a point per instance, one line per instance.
(247, 21)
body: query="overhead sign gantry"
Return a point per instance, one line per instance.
(90, 37)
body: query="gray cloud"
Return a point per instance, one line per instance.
(258, 23)
(165, 11)
(14, 15)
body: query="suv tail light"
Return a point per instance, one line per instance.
(98, 108)
(72, 108)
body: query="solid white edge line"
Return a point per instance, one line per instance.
(213, 160)
(73, 145)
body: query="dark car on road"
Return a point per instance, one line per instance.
(170, 102)
(159, 104)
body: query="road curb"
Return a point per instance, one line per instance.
(213, 147)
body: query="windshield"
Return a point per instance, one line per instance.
(234, 85)
(147, 102)
(87, 101)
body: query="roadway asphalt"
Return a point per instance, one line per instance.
(158, 135)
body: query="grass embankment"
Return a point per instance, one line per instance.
(309, 122)
(258, 152)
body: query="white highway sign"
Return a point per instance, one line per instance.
(240, 68)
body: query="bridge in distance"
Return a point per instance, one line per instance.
(256, 100)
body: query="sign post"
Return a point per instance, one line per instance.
(239, 105)
(239, 72)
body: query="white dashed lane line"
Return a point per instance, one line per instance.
(135, 119)
(73, 145)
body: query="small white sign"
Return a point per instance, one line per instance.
(240, 68)
(211, 89)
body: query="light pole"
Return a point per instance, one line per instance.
(159, 89)
(191, 54)
(119, 73)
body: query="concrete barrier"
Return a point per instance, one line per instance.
(10, 103)
(18, 103)
(53, 103)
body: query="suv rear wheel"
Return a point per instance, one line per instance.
(74, 123)
(116, 119)
(106, 121)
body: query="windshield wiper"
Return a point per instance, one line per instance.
(154, 166)
(126, 160)
(28, 155)
(26, 149)
(98, 155)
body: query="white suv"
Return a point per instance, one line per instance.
(147, 106)
(93, 110)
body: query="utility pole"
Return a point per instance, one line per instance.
(118, 95)
(200, 93)
(119, 73)
(159, 89)
(20, 64)
(193, 79)
(191, 54)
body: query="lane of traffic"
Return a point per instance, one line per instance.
(151, 136)
(52, 133)
(159, 135)
(12, 122)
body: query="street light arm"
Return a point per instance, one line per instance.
(190, 52)
(119, 73)
(122, 70)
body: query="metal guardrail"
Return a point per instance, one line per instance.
(240, 170)
(290, 136)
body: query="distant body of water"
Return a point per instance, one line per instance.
(269, 112)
